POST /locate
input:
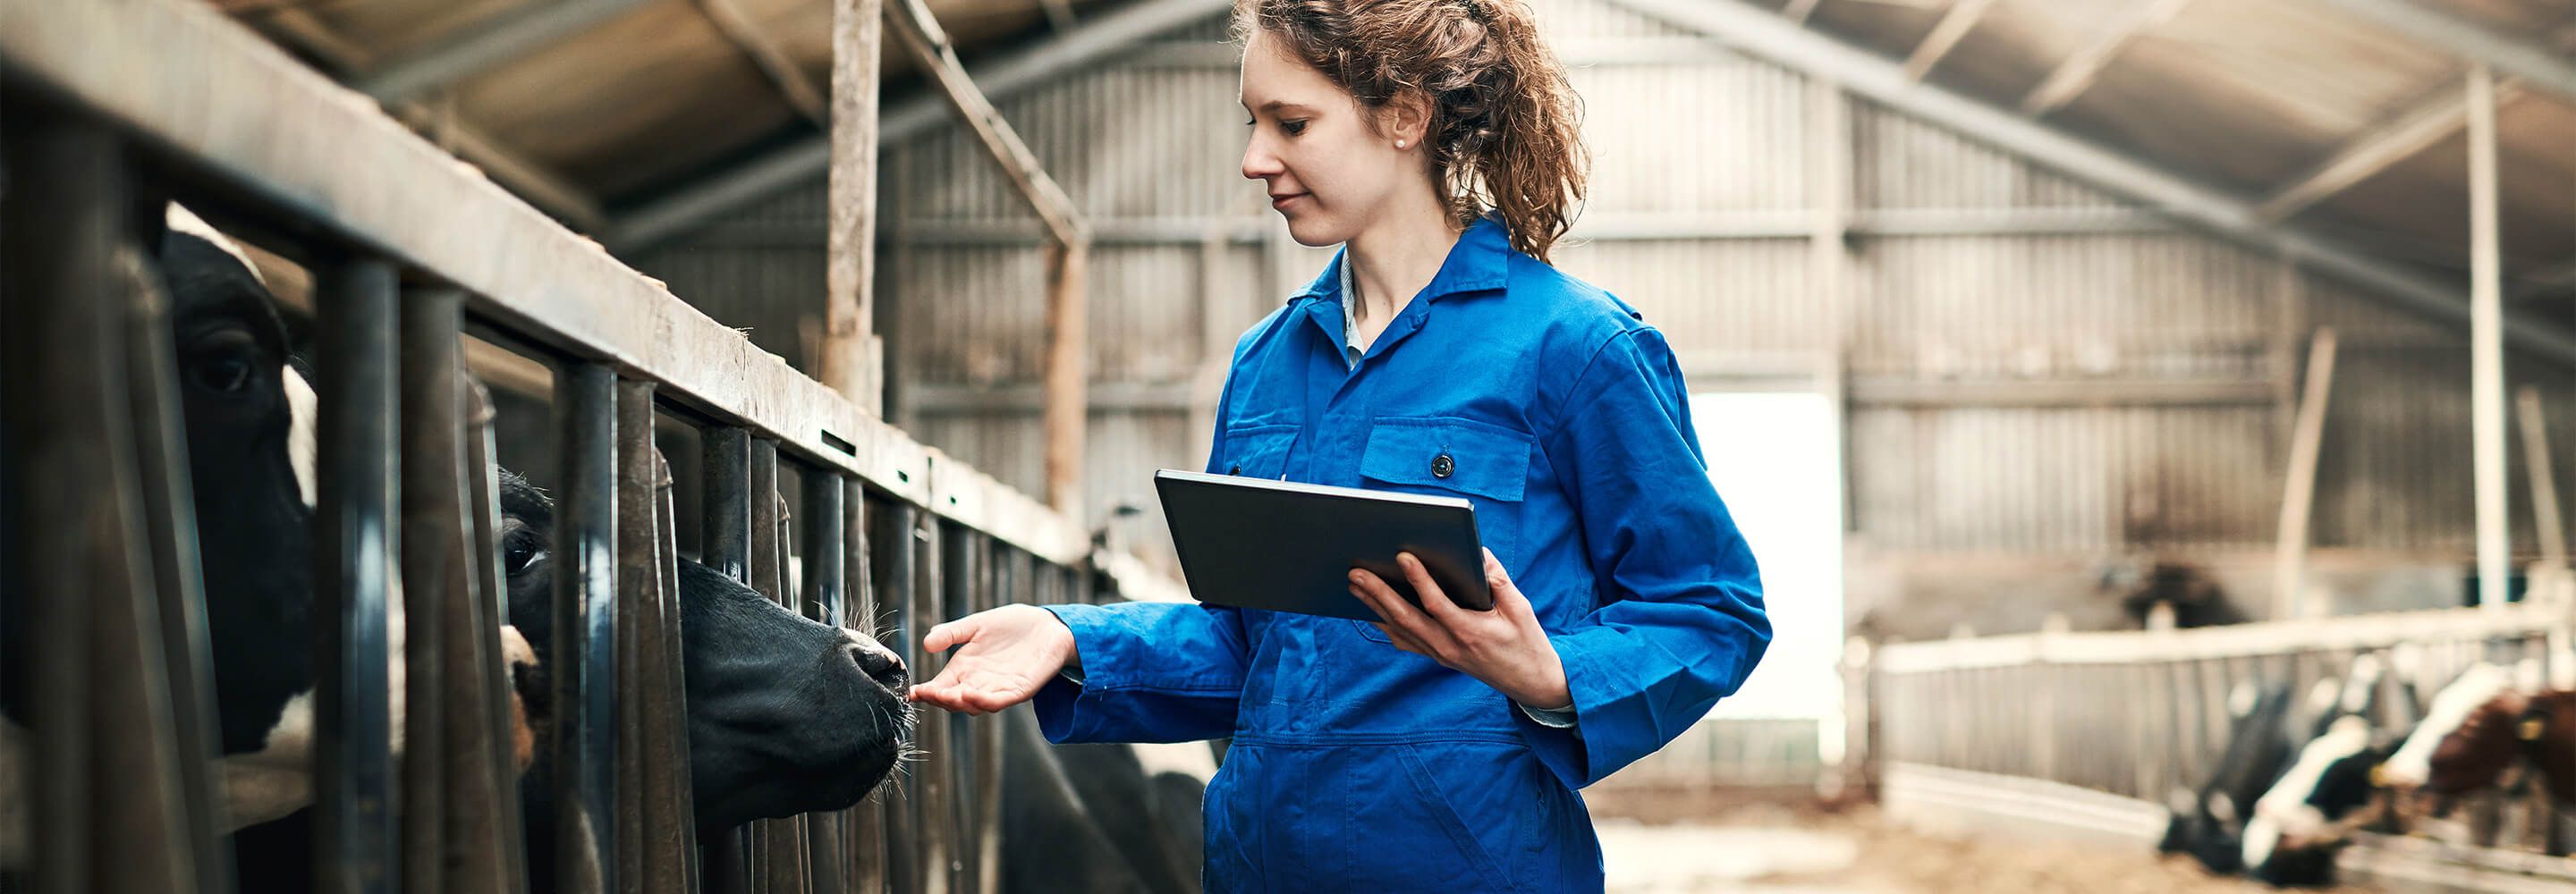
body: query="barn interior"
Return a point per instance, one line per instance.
(2077, 368)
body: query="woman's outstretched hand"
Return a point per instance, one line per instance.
(1506, 648)
(1003, 656)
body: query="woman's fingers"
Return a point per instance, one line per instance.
(943, 636)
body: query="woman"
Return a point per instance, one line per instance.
(1438, 353)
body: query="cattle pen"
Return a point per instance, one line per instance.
(114, 108)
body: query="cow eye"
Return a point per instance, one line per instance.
(224, 363)
(522, 553)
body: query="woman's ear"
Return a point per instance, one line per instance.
(1408, 118)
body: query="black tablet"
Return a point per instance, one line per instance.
(1290, 547)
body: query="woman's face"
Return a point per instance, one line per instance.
(1324, 170)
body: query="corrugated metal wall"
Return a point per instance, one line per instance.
(2036, 368)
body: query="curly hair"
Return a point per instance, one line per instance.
(1505, 125)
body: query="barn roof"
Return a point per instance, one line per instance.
(2342, 120)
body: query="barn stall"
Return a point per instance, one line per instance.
(2049, 285)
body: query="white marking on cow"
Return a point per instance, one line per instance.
(1192, 759)
(2261, 835)
(302, 445)
(277, 780)
(2322, 696)
(2285, 809)
(2412, 765)
(2366, 671)
(185, 221)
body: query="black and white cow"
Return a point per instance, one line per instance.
(2307, 814)
(2209, 823)
(248, 413)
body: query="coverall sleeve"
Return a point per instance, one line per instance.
(1677, 621)
(1151, 671)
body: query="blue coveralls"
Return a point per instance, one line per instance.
(1359, 767)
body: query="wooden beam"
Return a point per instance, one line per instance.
(2379, 147)
(1946, 34)
(1100, 38)
(2544, 479)
(2486, 344)
(920, 35)
(849, 360)
(1059, 14)
(2299, 485)
(2533, 61)
(793, 85)
(488, 44)
(2073, 76)
(1798, 10)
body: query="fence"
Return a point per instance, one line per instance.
(112, 106)
(2090, 732)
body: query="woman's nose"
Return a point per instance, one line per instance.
(1258, 163)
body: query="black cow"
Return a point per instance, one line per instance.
(2209, 823)
(1100, 818)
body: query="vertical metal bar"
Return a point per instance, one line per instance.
(726, 540)
(585, 607)
(931, 794)
(897, 554)
(493, 854)
(353, 809)
(964, 575)
(2486, 345)
(170, 514)
(987, 841)
(670, 792)
(824, 553)
(864, 830)
(773, 841)
(641, 860)
(432, 542)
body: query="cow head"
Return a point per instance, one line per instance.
(785, 715)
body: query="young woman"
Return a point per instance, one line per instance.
(1438, 353)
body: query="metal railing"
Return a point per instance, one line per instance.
(103, 102)
(2118, 721)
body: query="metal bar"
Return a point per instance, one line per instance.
(1760, 33)
(1102, 38)
(495, 852)
(2486, 345)
(353, 817)
(864, 827)
(585, 615)
(1002, 584)
(962, 563)
(727, 536)
(670, 794)
(169, 513)
(772, 840)
(824, 551)
(2072, 77)
(2533, 61)
(895, 561)
(931, 799)
(434, 583)
(2381, 146)
(851, 363)
(488, 44)
(641, 859)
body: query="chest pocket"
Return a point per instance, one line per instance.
(1444, 456)
(1256, 451)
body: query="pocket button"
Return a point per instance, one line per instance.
(1442, 466)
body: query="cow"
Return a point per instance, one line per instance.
(2209, 823)
(2327, 791)
(248, 417)
(1100, 817)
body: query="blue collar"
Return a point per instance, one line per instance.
(1480, 261)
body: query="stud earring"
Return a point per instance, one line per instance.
(1399, 144)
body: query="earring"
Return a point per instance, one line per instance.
(1399, 144)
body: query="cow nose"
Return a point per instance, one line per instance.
(878, 662)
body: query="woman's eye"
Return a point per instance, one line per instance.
(1293, 127)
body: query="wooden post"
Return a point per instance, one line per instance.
(2544, 480)
(2289, 570)
(852, 361)
(2486, 344)
(1068, 408)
